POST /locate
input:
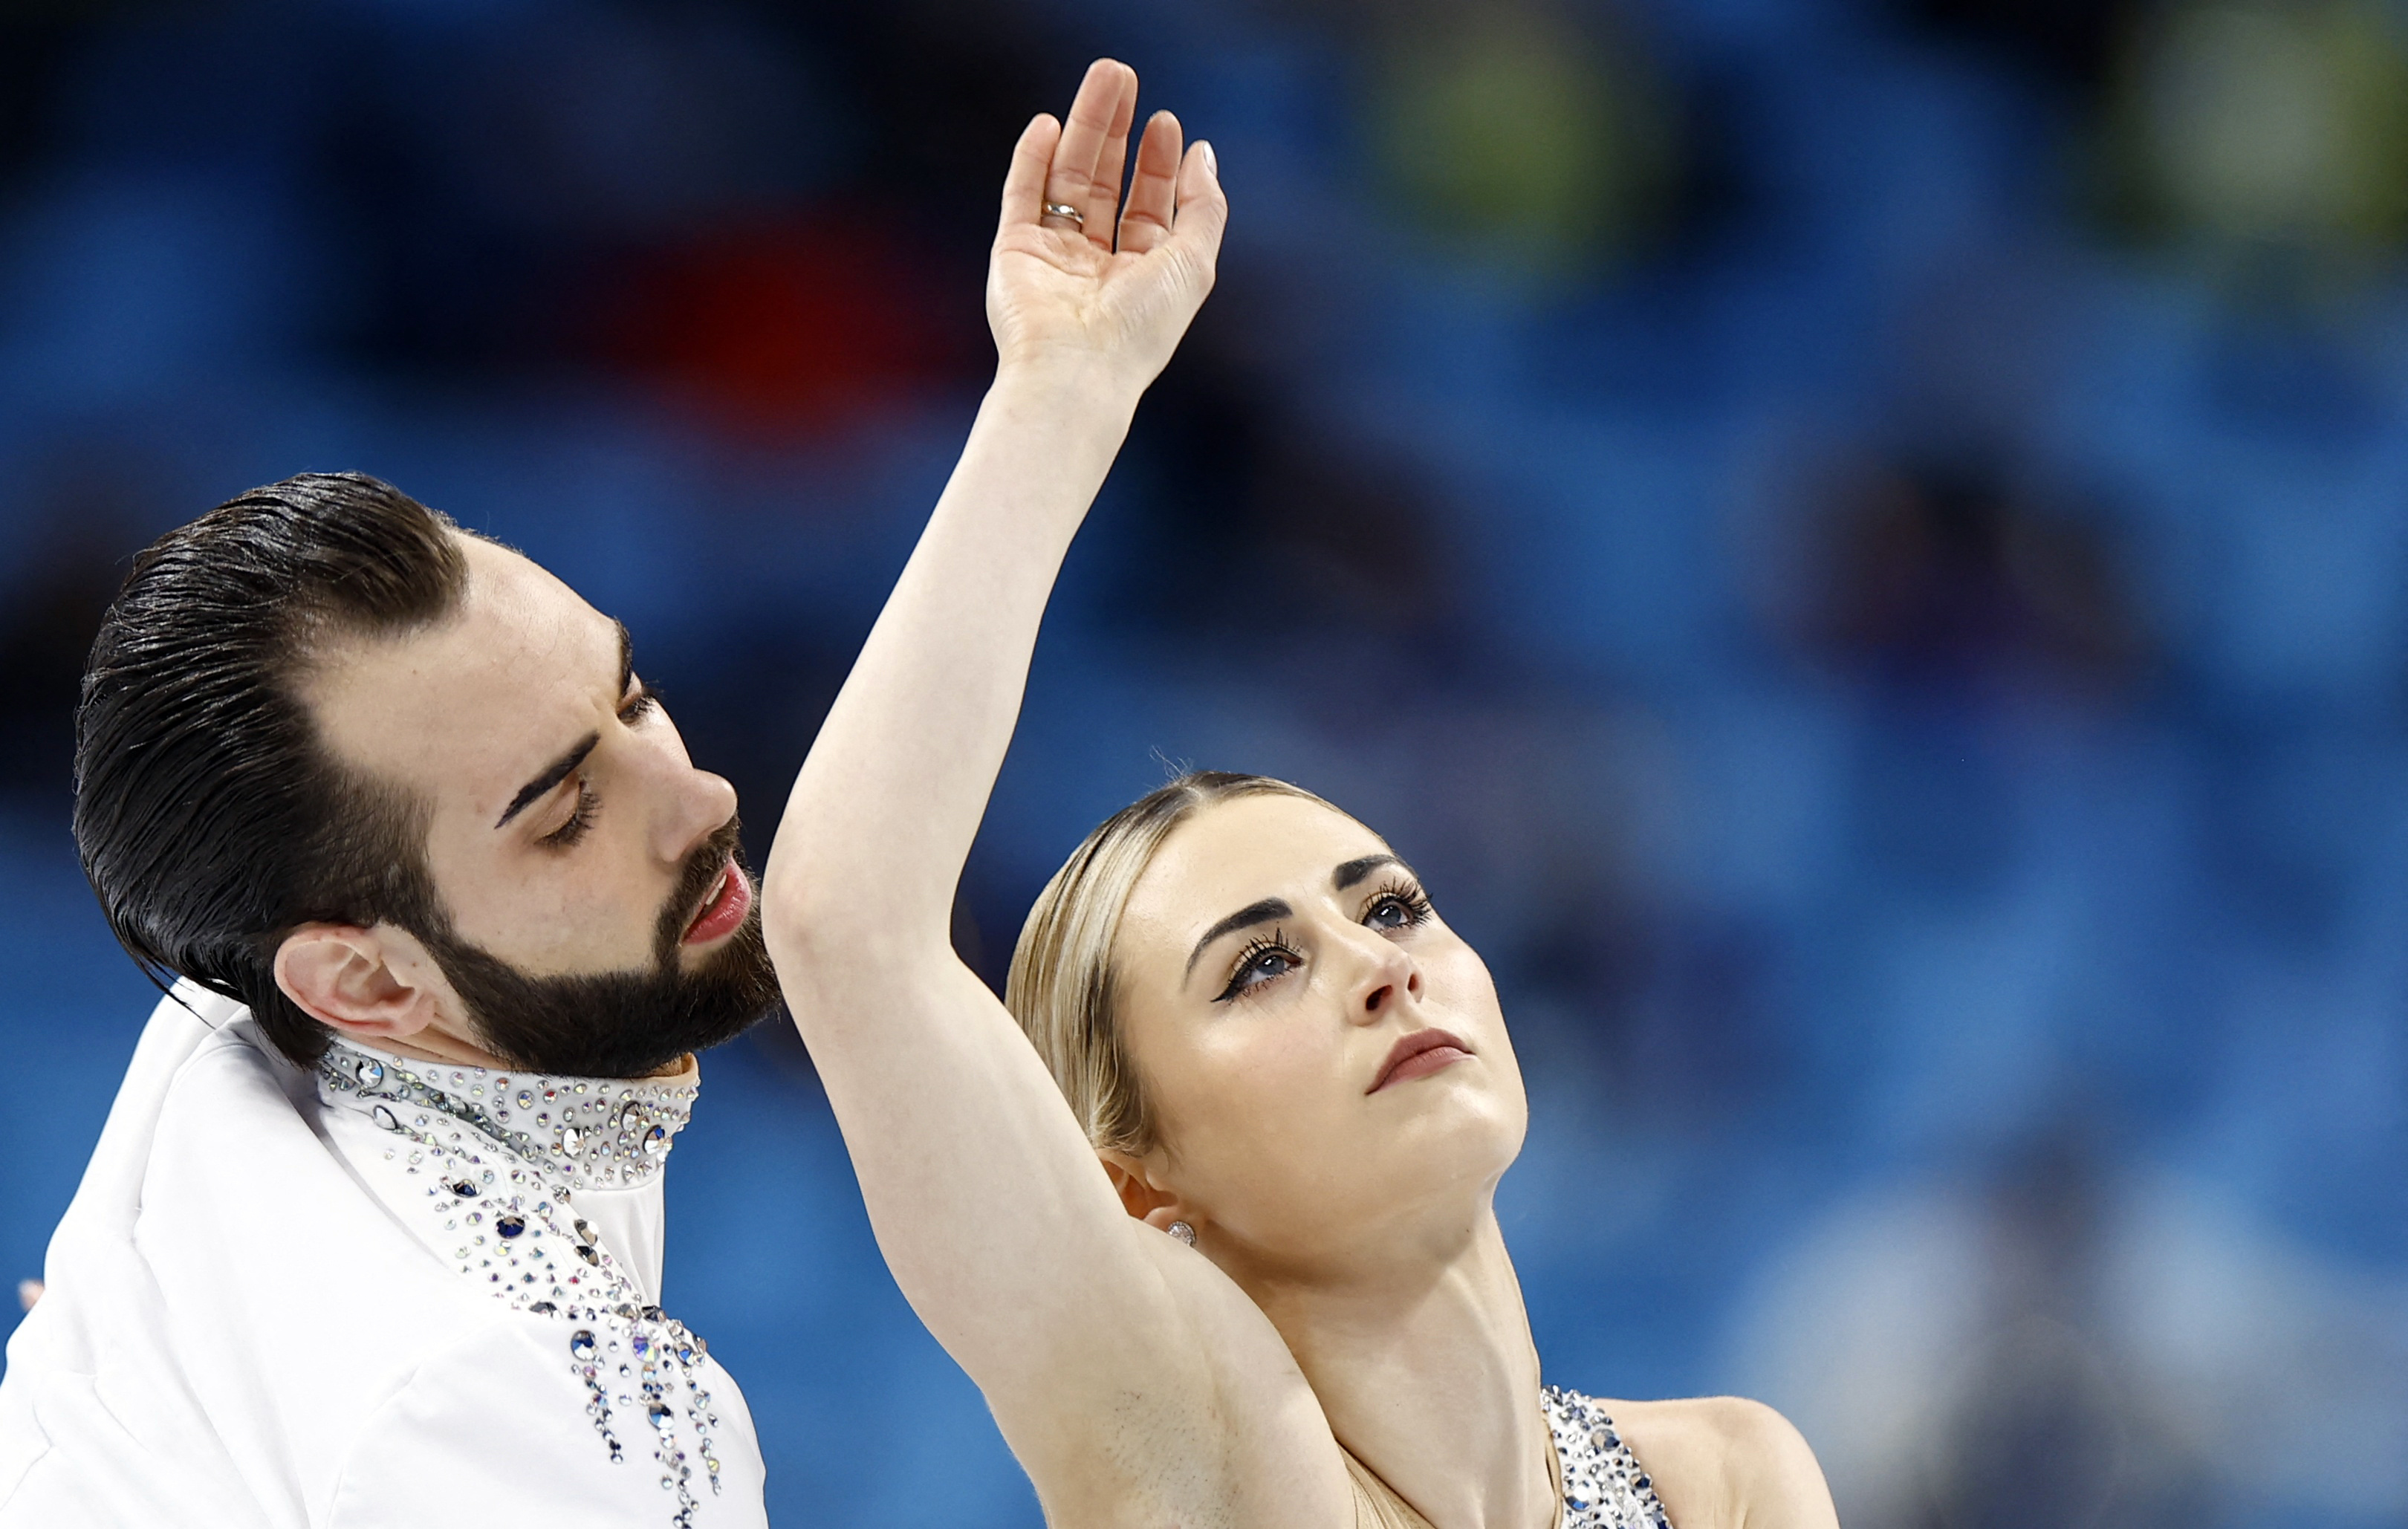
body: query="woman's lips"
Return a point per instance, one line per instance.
(1418, 1055)
(725, 911)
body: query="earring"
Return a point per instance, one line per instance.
(1184, 1232)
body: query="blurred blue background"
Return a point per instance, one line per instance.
(1858, 544)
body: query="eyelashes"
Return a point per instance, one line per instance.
(644, 703)
(1402, 896)
(1253, 966)
(579, 821)
(1398, 904)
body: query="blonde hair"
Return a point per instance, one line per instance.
(1062, 987)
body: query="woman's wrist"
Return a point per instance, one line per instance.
(1079, 387)
(1064, 424)
(1044, 439)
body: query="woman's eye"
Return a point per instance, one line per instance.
(1264, 963)
(1399, 907)
(1268, 965)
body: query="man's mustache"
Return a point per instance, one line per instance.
(703, 869)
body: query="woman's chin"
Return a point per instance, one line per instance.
(1467, 1129)
(1442, 1181)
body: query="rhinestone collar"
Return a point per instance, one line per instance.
(593, 1132)
(500, 1155)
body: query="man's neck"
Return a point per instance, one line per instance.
(433, 1045)
(1426, 1373)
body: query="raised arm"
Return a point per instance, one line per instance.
(882, 814)
(1101, 1345)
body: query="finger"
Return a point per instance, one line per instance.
(1103, 205)
(1203, 213)
(1024, 184)
(1153, 191)
(1071, 180)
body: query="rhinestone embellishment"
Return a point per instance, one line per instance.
(1605, 1487)
(501, 1186)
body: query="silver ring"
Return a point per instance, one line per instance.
(1064, 209)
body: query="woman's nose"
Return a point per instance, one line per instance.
(1390, 978)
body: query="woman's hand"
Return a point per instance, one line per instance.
(1116, 291)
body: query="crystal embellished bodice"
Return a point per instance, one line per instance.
(502, 1157)
(1600, 1482)
(1604, 1485)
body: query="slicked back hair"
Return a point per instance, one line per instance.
(1063, 986)
(211, 818)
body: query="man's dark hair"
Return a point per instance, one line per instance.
(211, 818)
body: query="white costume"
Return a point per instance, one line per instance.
(397, 1293)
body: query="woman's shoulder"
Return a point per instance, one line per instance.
(1713, 1461)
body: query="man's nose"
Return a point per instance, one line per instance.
(699, 804)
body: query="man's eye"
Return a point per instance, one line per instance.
(640, 706)
(579, 821)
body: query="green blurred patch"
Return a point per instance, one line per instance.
(1518, 140)
(2273, 126)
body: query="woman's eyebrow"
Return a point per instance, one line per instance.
(1355, 870)
(1253, 913)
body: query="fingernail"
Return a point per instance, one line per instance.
(1211, 161)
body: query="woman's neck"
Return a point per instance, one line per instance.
(1424, 1369)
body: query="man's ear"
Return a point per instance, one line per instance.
(370, 983)
(1148, 1201)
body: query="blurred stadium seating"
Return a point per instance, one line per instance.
(1862, 548)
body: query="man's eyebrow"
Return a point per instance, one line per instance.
(558, 770)
(553, 774)
(1253, 913)
(1355, 870)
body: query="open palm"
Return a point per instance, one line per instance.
(1116, 286)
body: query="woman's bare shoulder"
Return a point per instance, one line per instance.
(1725, 1463)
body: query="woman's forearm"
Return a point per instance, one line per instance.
(1088, 293)
(884, 809)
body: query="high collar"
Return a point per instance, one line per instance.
(595, 1133)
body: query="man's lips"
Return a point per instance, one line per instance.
(1418, 1055)
(730, 902)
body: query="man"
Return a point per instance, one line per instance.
(373, 1233)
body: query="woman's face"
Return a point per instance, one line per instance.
(1325, 1058)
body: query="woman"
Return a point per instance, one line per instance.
(1273, 1049)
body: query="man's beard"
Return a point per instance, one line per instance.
(622, 1025)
